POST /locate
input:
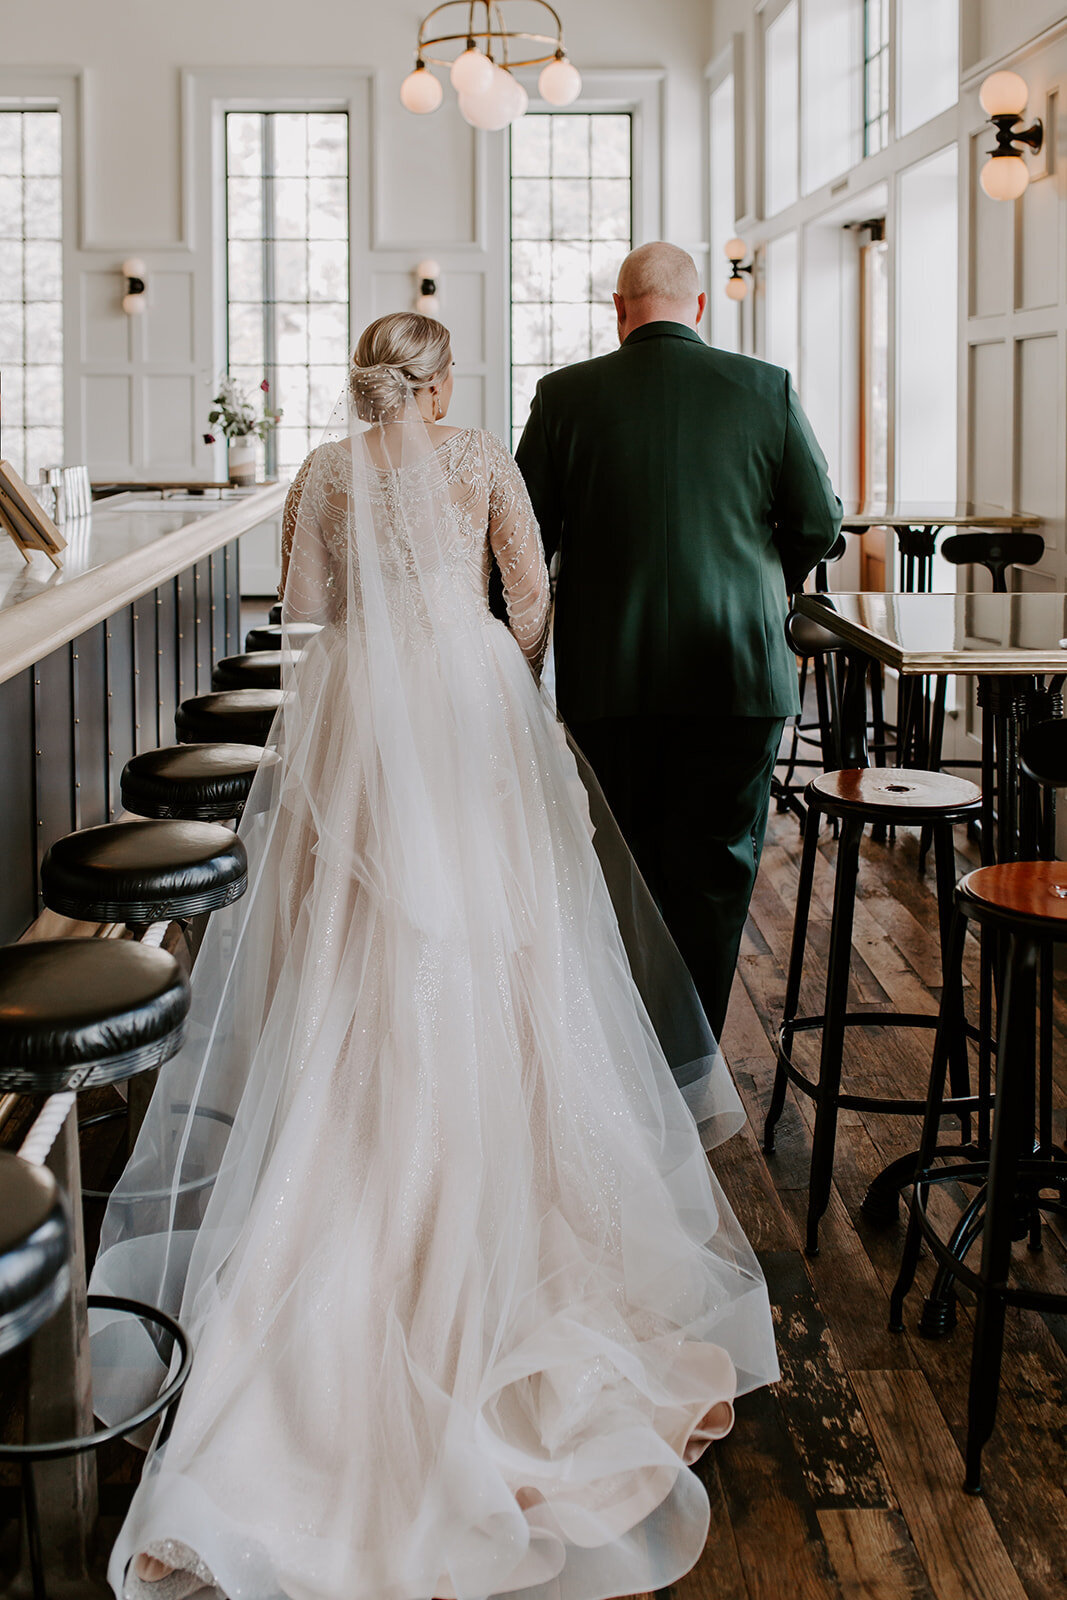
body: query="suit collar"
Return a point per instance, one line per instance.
(662, 330)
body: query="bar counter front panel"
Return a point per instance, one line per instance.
(70, 720)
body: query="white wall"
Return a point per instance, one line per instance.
(138, 103)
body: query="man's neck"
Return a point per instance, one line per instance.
(655, 311)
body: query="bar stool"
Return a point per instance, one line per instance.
(1024, 904)
(34, 1249)
(817, 648)
(275, 613)
(256, 669)
(243, 716)
(191, 782)
(856, 798)
(142, 872)
(75, 1013)
(272, 636)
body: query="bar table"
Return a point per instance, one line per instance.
(917, 526)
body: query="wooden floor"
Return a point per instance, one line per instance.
(844, 1481)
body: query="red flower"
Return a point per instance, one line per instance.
(209, 438)
(265, 386)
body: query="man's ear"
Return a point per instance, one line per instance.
(702, 301)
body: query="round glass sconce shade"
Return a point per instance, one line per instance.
(472, 72)
(560, 82)
(1004, 177)
(421, 92)
(1004, 94)
(735, 249)
(736, 288)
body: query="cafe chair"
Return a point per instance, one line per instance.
(275, 612)
(256, 669)
(74, 1013)
(238, 716)
(190, 782)
(1019, 1172)
(272, 636)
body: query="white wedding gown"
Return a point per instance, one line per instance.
(423, 1185)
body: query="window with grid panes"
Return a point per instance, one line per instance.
(571, 226)
(31, 291)
(875, 76)
(287, 249)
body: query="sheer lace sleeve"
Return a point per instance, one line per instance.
(289, 512)
(516, 545)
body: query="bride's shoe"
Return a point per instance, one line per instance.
(183, 1575)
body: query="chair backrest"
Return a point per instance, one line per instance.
(808, 637)
(994, 551)
(1043, 753)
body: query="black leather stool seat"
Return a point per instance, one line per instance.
(275, 612)
(272, 635)
(78, 1012)
(194, 782)
(242, 715)
(139, 872)
(901, 794)
(34, 1249)
(257, 669)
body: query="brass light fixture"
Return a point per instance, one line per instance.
(490, 96)
(1004, 96)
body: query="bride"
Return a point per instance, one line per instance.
(426, 1183)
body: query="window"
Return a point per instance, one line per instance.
(831, 101)
(874, 369)
(571, 226)
(781, 333)
(288, 268)
(31, 290)
(875, 76)
(722, 311)
(927, 319)
(781, 98)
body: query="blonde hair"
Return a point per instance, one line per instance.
(658, 271)
(396, 356)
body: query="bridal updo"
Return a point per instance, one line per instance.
(396, 356)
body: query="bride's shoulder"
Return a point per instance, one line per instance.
(494, 449)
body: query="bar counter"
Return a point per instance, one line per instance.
(95, 659)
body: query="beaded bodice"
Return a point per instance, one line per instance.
(491, 518)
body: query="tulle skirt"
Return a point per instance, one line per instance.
(427, 1185)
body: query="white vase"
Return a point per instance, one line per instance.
(242, 460)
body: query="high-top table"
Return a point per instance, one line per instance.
(918, 525)
(1012, 643)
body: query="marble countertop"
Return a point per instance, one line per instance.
(128, 546)
(950, 633)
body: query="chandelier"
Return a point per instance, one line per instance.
(482, 73)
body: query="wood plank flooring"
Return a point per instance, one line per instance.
(844, 1481)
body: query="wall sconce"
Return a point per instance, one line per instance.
(1004, 96)
(427, 304)
(135, 298)
(735, 251)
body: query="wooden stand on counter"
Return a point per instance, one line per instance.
(27, 523)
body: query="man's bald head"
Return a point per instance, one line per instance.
(658, 282)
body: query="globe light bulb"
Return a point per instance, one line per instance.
(1004, 94)
(503, 102)
(134, 304)
(560, 82)
(472, 72)
(427, 305)
(736, 288)
(518, 99)
(421, 92)
(735, 249)
(1004, 177)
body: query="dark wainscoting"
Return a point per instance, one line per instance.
(69, 724)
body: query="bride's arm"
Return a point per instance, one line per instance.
(516, 545)
(305, 590)
(289, 516)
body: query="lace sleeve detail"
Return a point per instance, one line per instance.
(516, 545)
(289, 511)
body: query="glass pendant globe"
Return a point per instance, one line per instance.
(736, 288)
(421, 92)
(560, 82)
(472, 72)
(735, 249)
(517, 98)
(1004, 94)
(1004, 177)
(485, 111)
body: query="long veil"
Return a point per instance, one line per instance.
(421, 1183)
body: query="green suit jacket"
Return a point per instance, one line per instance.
(687, 497)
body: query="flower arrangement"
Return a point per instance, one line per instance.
(235, 413)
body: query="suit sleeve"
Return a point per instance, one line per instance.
(806, 511)
(535, 464)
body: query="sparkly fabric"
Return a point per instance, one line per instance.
(425, 1183)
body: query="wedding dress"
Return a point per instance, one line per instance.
(426, 1183)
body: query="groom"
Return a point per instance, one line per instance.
(687, 498)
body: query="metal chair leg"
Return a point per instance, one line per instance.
(796, 970)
